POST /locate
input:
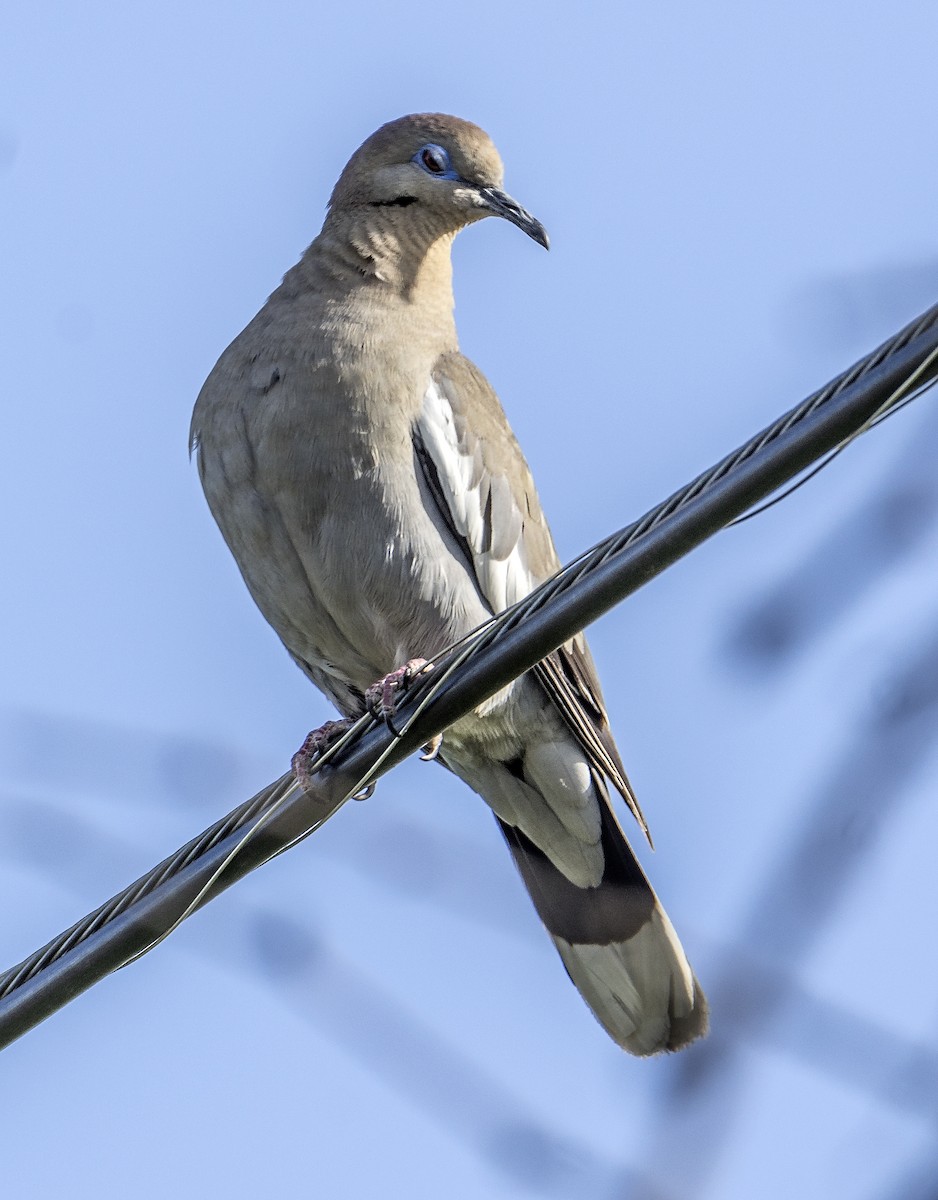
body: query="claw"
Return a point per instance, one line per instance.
(381, 697)
(432, 749)
(381, 701)
(317, 743)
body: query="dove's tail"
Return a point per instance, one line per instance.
(617, 944)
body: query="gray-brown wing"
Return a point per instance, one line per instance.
(477, 474)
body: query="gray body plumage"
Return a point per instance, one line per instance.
(364, 475)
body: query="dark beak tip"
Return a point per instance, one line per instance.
(503, 205)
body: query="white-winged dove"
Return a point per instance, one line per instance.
(366, 479)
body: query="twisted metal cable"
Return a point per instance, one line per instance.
(240, 817)
(279, 815)
(585, 564)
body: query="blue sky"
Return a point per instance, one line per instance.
(741, 202)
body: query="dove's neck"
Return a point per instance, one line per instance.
(378, 257)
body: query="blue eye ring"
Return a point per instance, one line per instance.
(435, 161)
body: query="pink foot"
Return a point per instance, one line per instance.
(381, 697)
(316, 744)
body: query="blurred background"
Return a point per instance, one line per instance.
(741, 201)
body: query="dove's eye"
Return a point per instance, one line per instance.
(433, 159)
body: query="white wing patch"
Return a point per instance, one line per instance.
(481, 506)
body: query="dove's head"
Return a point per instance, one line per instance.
(427, 176)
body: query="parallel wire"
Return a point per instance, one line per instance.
(498, 626)
(256, 812)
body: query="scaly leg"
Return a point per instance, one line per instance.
(381, 698)
(317, 743)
